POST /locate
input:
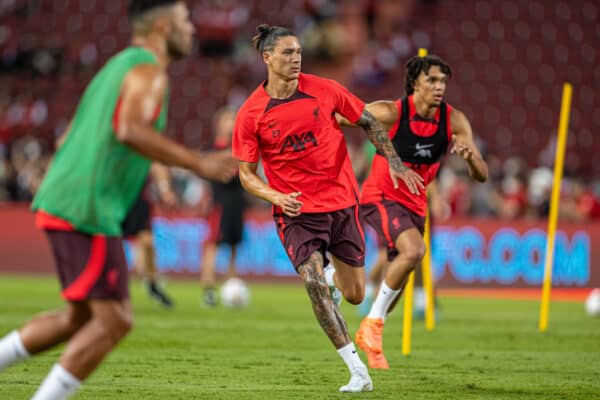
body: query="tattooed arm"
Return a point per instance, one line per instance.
(384, 111)
(379, 137)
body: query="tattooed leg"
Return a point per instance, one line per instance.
(325, 310)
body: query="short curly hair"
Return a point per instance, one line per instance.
(418, 64)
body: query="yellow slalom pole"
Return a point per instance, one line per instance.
(408, 292)
(427, 277)
(563, 128)
(426, 266)
(408, 314)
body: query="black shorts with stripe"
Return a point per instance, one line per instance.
(226, 220)
(226, 224)
(89, 266)
(389, 219)
(138, 218)
(337, 232)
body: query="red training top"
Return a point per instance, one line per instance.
(420, 143)
(300, 143)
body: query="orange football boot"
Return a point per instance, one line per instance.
(369, 338)
(377, 360)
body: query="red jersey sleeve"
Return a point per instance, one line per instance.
(245, 139)
(346, 103)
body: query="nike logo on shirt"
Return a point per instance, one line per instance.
(422, 147)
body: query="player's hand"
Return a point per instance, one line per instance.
(413, 181)
(460, 148)
(218, 166)
(168, 198)
(289, 203)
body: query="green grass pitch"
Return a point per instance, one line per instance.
(481, 349)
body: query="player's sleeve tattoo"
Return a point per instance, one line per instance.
(379, 137)
(325, 310)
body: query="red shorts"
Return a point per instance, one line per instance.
(389, 219)
(338, 232)
(89, 267)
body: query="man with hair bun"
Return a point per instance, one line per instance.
(422, 127)
(94, 179)
(289, 123)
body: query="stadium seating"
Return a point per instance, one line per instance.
(510, 59)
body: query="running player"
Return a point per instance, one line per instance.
(422, 127)
(94, 179)
(289, 122)
(438, 209)
(226, 219)
(137, 228)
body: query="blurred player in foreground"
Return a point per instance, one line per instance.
(226, 219)
(422, 127)
(289, 123)
(93, 181)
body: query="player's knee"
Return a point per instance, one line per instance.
(354, 294)
(118, 325)
(315, 286)
(124, 323)
(415, 254)
(145, 238)
(76, 318)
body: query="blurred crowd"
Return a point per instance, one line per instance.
(514, 190)
(50, 49)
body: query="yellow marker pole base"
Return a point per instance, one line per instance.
(408, 293)
(428, 277)
(426, 265)
(563, 129)
(408, 314)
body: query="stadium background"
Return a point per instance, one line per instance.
(509, 58)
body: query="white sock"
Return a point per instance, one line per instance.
(382, 302)
(329, 271)
(12, 350)
(351, 358)
(60, 384)
(369, 289)
(419, 299)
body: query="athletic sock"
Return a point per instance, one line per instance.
(369, 289)
(382, 302)
(329, 271)
(419, 299)
(351, 358)
(60, 384)
(12, 350)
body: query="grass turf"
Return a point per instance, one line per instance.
(481, 349)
